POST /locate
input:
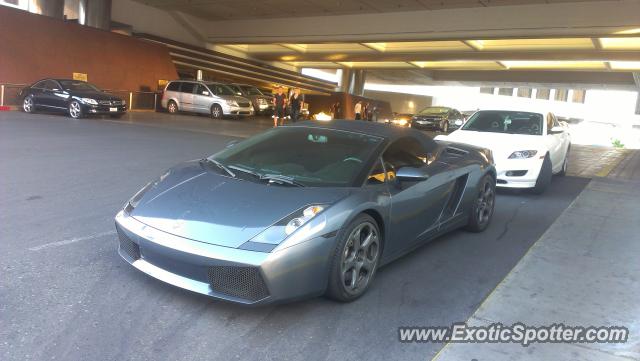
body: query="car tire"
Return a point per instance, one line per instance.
(75, 110)
(483, 205)
(28, 105)
(565, 163)
(544, 178)
(216, 112)
(172, 107)
(355, 252)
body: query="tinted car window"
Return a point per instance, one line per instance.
(220, 89)
(251, 90)
(187, 87)
(311, 156)
(202, 90)
(405, 152)
(512, 122)
(174, 86)
(78, 85)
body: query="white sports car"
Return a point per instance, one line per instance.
(527, 148)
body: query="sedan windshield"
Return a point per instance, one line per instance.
(434, 110)
(78, 86)
(251, 90)
(304, 156)
(220, 89)
(498, 121)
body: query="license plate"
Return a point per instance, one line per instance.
(113, 109)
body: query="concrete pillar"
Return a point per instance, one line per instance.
(52, 8)
(636, 78)
(199, 75)
(95, 13)
(346, 81)
(352, 81)
(359, 78)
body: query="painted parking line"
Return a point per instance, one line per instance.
(71, 241)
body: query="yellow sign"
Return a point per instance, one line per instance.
(162, 83)
(80, 76)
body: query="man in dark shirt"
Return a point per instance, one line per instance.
(279, 105)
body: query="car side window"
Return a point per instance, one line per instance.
(174, 86)
(202, 90)
(404, 152)
(40, 85)
(187, 87)
(377, 174)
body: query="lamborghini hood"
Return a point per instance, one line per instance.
(203, 205)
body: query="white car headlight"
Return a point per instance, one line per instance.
(523, 154)
(303, 218)
(400, 122)
(232, 103)
(458, 122)
(89, 101)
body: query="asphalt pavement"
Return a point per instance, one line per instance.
(65, 294)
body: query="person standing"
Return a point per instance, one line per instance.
(358, 110)
(296, 104)
(279, 106)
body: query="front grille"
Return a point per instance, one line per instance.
(241, 282)
(129, 247)
(244, 105)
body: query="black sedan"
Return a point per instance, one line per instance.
(76, 98)
(443, 119)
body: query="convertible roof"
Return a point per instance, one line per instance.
(383, 130)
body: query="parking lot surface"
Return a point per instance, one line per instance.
(66, 294)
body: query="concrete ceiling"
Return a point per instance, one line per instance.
(259, 9)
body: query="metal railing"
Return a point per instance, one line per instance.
(136, 100)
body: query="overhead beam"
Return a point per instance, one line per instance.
(552, 55)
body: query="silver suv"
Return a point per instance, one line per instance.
(263, 104)
(215, 99)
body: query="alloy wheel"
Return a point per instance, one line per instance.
(359, 258)
(486, 199)
(216, 112)
(27, 104)
(74, 110)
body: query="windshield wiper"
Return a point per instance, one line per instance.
(277, 178)
(244, 170)
(220, 165)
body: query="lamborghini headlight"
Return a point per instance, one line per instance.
(89, 101)
(302, 218)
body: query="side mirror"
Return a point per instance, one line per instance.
(411, 174)
(557, 130)
(231, 143)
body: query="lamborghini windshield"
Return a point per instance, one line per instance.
(500, 121)
(305, 155)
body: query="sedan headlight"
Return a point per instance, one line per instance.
(232, 103)
(89, 101)
(523, 154)
(400, 122)
(458, 122)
